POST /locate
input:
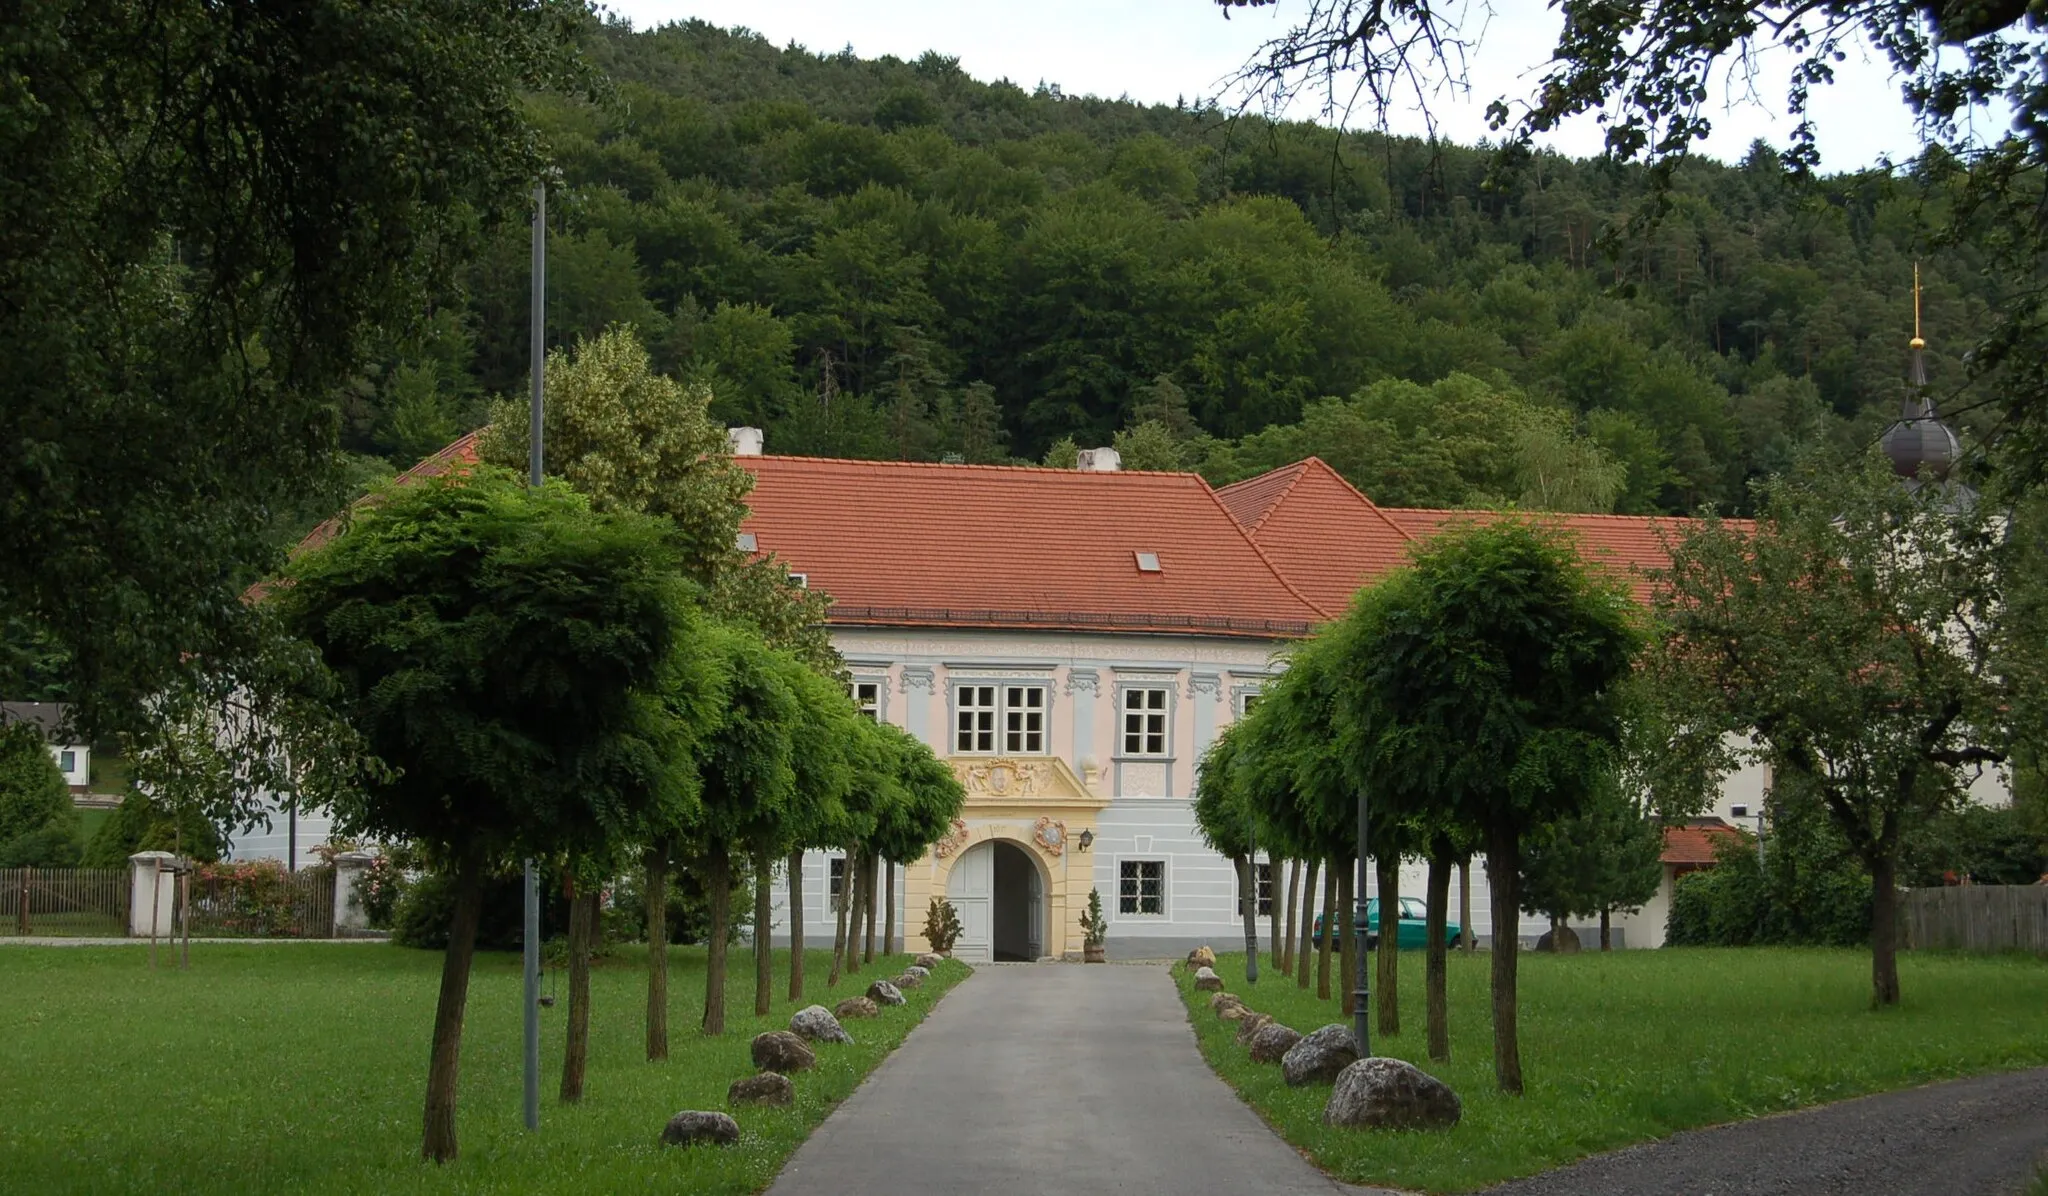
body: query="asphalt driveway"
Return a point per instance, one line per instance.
(1049, 1078)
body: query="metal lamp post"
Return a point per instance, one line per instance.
(1363, 994)
(537, 357)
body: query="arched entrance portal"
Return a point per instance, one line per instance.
(1000, 894)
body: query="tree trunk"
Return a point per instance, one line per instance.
(867, 893)
(437, 1142)
(576, 1039)
(1884, 932)
(1606, 943)
(718, 873)
(1387, 871)
(796, 926)
(1347, 938)
(657, 954)
(1468, 938)
(1308, 920)
(764, 918)
(1436, 968)
(1248, 909)
(888, 908)
(1273, 867)
(856, 905)
(1329, 926)
(1503, 862)
(840, 904)
(1285, 943)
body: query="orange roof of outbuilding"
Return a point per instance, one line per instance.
(1695, 842)
(1326, 537)
(916, 544)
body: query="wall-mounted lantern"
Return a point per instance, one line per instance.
(1087, 839)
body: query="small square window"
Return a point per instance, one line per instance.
(1141, 887)
(1144, 725)
(801, 581)
(867, 697)
(1246, 702)
(748, 542)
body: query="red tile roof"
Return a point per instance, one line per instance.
(1326, 537)
(1694, 842)
(914, 544)
(460, 455)
(1627, 547)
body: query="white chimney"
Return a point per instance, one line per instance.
(1098, 460)
(746, 442)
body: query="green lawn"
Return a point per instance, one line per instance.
(301, 1067)
(1636, 1045)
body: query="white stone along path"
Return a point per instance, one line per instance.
(1049, 1078)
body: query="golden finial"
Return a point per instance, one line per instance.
(1916, 342)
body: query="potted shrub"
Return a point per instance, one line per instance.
(1094, 930)
(942, 926)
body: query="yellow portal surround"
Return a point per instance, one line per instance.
(1035, 802)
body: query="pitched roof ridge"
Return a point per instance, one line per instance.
(1370, 505)
(1265, 560)
(1298, 468)
(1000, 467)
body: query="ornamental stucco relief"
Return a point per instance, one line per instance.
(1003, 777)
(955, 839)
(1051, 834)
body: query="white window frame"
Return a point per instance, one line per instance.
(976, 718)
(1165, 872)
(1262, 883)
(67, 761)
(1024, 722)
(998, 718)
(1144, 729)
(867, 696)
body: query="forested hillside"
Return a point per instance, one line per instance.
(891, 259)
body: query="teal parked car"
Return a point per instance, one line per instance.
(1414, 928)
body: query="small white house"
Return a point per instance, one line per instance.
(74, 759)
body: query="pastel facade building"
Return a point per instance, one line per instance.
(1070, 642)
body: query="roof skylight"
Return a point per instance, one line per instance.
(1148, 562)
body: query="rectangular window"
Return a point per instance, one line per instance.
(1024, 719)
(1144, 722)
(1245, 704)
(67, 761)
(836, 884)
(867, 695)
(1141, 887)
(975, 730)
(1262, 875)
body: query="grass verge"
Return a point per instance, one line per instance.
(1636, 1045)
(302, 1067)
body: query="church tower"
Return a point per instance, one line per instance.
(1922, 449)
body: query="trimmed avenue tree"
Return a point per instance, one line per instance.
(491, 645)
(1491, 696)
(1227, 827)
(1849, 642)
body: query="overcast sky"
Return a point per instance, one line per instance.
(1160, 50)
